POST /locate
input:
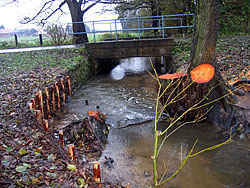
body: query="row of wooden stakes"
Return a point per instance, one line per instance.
(49, 101)
(46, 103)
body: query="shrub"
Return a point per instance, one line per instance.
(56, 33)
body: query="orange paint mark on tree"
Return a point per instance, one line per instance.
(172, 76)
(202, 73)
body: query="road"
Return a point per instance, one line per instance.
(38, 48)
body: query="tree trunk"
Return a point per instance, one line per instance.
(154, 13)
(203, 51)
(77, 16)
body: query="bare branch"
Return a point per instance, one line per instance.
(90, 6)
(3, 3)
(46, 6)
(59, 8)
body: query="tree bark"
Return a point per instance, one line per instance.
(77, 16)
(154, 13)
(203, 52)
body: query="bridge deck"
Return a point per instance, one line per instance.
(131, 48)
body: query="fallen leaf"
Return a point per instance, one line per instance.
(22, 152)
(21, 168)
(71, 167)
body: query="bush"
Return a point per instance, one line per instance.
(56, 33)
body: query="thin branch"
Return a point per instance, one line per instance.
(39, 12)
(90, 6)
(199, 119)
(165, 171)
(182, 165)
(59, 8)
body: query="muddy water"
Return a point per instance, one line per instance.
(131, 100)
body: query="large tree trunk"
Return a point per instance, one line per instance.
(203, 51)
(77, 16)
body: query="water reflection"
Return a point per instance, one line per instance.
(137, 64)
(118, 73)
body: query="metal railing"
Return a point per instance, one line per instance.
(138, 25)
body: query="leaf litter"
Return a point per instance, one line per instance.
(28, 155)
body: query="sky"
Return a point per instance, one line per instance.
(11, 14)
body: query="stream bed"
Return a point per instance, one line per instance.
(131, 100)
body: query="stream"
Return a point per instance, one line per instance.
(127, 97)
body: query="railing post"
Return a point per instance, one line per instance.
(126, 26)
(163, 33)
(143, 28)
(94, 30)
(139, 31)
(160, 28)
(116, 37)
(110, 30)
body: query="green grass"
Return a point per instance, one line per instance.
(25, 61)
(27, 41)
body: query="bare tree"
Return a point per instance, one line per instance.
(77, 9)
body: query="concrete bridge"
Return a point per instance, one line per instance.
(102, 54)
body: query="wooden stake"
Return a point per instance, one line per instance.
(39, 116)
(71, 151)
(58, 95)
(30, 106)
(47, 101)
(37, 101)
(63, 90)
(61, 138)
(53, 99)
(97, 172)
(46, 125)
(33, 103)
(68, 81)
(41, 102)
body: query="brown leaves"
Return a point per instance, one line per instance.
(26, 156)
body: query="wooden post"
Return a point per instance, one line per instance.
(97, 172)
(47, 101)
(37, 100)
(33, 103)
(41, 39)
(30, 106)
(41, 102)
(61, 139)
(68, 81)
(53, 99)
(16, 41)
(71, 151)
(39, 116)
(58, 95)
(46, 125)
(63, 90)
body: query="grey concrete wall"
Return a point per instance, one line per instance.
(131, 48)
